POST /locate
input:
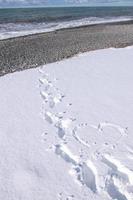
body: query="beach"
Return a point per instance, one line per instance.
(34, 50)
(66, 130)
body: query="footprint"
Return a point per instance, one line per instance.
(44, 95)
(119, 179)
(46, 83)
(53, 101)
(66, 154)
(118, 169)
(90, 175)
(114, 191)
(51, 118)
(63, 127)
(86, 172)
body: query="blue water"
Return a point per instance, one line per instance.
(22, 21)
(60, 14)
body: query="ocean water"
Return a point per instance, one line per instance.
(23, 21)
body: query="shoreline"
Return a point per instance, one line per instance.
(127, 22)
(31, 51)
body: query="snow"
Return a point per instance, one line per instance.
(66, 129)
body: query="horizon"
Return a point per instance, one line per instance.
(64, 3)
(65, 6)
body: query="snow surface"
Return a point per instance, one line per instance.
(66, 129)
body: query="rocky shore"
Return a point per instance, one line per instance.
(34, 50)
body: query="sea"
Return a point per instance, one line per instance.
(16, 22)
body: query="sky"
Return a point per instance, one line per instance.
(38, 3)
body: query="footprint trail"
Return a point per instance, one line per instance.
(116, 181)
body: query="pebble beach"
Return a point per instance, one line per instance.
(25, 52)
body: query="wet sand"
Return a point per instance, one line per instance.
(34, 50)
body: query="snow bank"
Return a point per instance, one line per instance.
(66, 129)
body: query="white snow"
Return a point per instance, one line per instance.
(66, 129)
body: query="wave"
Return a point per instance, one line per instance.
(11, 30)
